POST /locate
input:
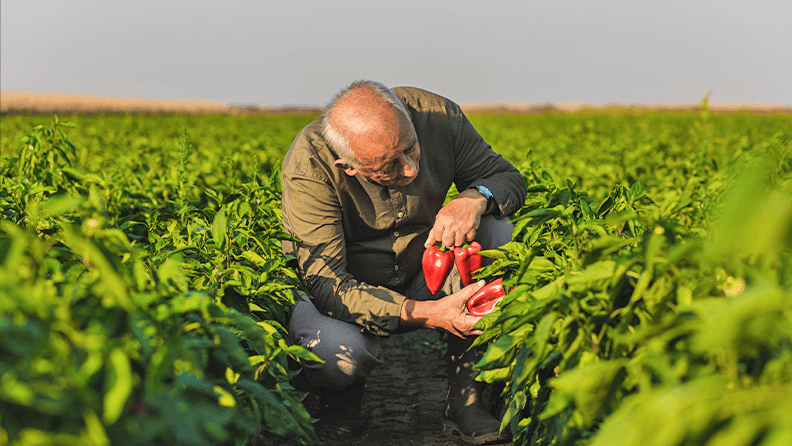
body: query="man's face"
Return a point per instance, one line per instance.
(390, 158)
(396, 166)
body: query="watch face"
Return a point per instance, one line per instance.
(486, 192)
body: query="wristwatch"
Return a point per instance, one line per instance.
(486, 192)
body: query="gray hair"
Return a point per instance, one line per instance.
(335, 138)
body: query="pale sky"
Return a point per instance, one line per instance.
(300, 52)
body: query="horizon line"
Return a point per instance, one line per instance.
(22, 101)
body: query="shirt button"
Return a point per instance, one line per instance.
(400, 214)
(396, 267)
(396, 233)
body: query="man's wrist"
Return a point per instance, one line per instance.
(472, 193)
(486, 193)
(414, 314)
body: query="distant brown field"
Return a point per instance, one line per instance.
(576, 107)
(16, 102)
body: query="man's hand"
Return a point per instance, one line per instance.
(448, 314)
(458, 220)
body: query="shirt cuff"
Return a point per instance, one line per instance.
(385, 320)
(500, 194)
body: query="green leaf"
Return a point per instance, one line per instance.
(754, 219)
(596, 272)
(219, 229)
(493, 253)
(498, 354)
(591, 388)
(170, 272)
(255, 258)
(276, 417)
(558, 403)
(637, 190)
(542, 264)
(515, 408)
(118, 385)
(552, 289)
(301, 353)
(272, 287)
(59, 205)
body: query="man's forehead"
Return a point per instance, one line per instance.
(362, 110)
(375, 162)
(406, 139)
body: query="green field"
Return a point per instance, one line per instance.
(143, 292)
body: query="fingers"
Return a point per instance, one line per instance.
(443, 234)
(451, 239)
(459, 238)
(436, 235)
(430, 240)
(470, 321)
(465, 328)
(468, 291)
(459, 321)
(448, 236)
(456, 223)
(474, 332)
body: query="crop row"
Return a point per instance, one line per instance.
(143, 303)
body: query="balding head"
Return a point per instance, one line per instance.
(372, 134)
(364, 112)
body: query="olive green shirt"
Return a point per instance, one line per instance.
(361, 243)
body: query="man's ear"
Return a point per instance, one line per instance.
(349, 170)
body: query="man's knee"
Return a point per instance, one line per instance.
(493, 233)
(348, 354)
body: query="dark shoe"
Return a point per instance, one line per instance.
(475, 425)
(465, 413)
(340, 411)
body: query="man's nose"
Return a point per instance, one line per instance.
(408, 168)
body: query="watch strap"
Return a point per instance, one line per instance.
(486, 192)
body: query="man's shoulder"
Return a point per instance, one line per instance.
(309, 146)
(420, 99)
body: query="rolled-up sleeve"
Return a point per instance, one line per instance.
(312, 214)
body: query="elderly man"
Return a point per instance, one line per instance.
(363, 192)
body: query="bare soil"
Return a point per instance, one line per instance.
(404, 398)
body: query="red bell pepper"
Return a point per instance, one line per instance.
(467, 261)
(483, 302)
(437, 265)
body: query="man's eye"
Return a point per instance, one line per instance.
(410, 150)
(386, 171)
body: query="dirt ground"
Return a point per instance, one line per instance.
(404, 398)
